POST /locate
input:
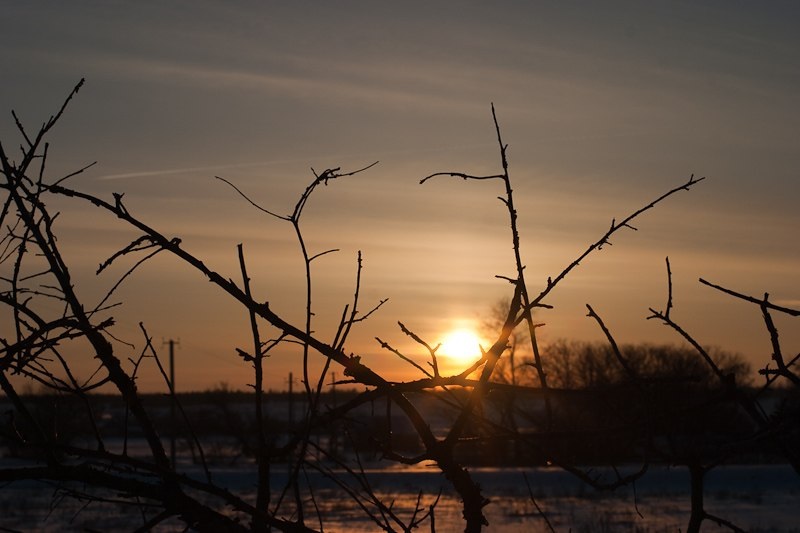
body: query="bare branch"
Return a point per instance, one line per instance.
(551, 283)
(751, 299)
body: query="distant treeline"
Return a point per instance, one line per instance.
(601, 412)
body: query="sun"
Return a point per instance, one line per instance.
(461, 346)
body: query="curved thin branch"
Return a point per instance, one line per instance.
(251, 202)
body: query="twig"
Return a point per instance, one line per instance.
(669, 289)
(615, 349)
(777, 354)
(538, 509)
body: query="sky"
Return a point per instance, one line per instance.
(604, 107)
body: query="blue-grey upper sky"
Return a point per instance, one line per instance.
(604, 106)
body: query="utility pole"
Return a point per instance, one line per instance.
(291, 400)
(173, 425)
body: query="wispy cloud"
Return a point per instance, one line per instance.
(329, 86)
(184, 170)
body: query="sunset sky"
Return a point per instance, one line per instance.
(604, 105)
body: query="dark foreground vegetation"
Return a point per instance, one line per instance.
(569, 406)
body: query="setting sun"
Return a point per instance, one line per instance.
(461, 345)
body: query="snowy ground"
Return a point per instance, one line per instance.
(757, 498)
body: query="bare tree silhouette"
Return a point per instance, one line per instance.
(48, 315)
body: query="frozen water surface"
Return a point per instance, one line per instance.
(754, 497)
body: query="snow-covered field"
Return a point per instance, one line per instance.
(756, 498)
